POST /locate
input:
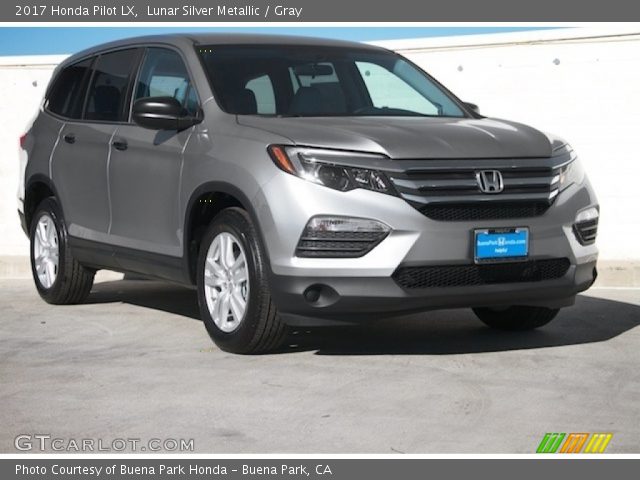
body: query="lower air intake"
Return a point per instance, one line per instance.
(325, 244)
(586, 231)
(473, 275)
(479, 211)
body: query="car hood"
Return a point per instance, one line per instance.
(412, 137)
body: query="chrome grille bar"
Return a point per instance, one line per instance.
(454, 183)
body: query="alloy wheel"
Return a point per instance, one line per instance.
(226, 282)
(46, 252)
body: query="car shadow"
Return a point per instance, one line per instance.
(134, 290)
(433, 333)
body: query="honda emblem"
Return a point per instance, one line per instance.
(490, 181)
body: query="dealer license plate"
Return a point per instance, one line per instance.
(501, 244)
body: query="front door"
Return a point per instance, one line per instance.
(146, 165)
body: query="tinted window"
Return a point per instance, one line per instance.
(164, 74)
(68, 91)
(262, 89)
(322, 81)
(317, 78)
(108, 91)
(308, 76)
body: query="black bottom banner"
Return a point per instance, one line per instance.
(319, 469)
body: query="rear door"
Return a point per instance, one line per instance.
(145, 166)
(79, 165)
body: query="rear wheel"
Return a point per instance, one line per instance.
(59, 278)
(233, 290)
(516, 318)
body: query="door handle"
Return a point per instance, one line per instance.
(120, 144)
(70, 138)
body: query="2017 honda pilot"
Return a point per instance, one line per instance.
(299, 182)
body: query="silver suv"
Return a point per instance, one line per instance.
(298, 182)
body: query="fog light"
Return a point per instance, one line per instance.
(340, 237)
(588, 214)
(586, 226)
(345, 224)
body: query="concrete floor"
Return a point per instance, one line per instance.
(135, 362)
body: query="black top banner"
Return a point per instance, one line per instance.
(318, 11)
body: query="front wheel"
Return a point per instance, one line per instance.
(516, 318)
(233, 290)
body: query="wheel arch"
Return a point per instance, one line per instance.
(38, 188)
(204, 204)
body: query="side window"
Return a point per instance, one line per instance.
(262, 89)
(164, 74)
(68, 91)
(108, 91)
(386, 89)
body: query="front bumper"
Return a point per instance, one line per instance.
(356, 289)
(359, 299)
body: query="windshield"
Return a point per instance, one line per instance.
(312, 81)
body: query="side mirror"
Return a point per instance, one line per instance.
(473, 107)
(162, 113)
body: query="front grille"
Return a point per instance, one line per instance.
(474, 275)
(450, 191)
(586, 231)
(327, 244)
(484, 211)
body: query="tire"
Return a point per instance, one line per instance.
(61, 279)
(257, 328)
(516, 318)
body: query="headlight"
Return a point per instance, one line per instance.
(327, 167)
(571, 172)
